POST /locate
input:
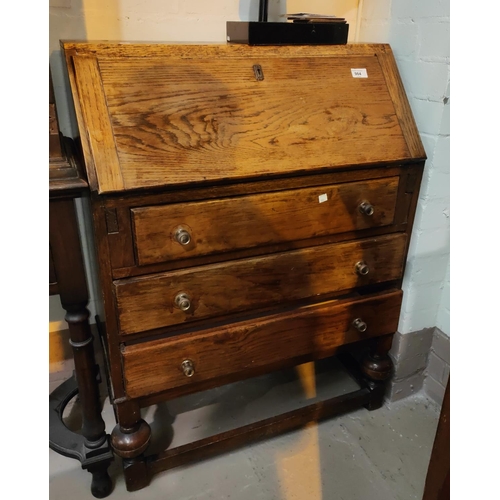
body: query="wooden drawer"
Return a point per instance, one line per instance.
(316, 329)
(229, 224)
(149, 302)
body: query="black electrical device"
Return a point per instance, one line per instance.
(304, 30)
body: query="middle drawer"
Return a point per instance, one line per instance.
(171, 298)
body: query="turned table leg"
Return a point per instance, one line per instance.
(86, 373)
(377, 367)
(129, 439)
(94, 452)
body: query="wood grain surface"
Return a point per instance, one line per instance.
(188, 114)
(243, 222)
(97, 127)
(110, 48)
(149, 302)
(401, 104)
(155, 366)
(177, 121)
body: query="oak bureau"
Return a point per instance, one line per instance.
(252, 211)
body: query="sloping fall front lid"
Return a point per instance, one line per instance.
(157, 115)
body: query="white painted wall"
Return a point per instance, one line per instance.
(419, 34)
(443, 316)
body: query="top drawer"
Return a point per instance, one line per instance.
(185, 230)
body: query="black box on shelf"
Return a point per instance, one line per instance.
(285, 33)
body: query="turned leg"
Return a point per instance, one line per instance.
(377, 367)
(94, 453)
(129, 439)
(101, 485)
(86, 373)
(81, 340)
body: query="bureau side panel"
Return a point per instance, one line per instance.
(401, 104)
(107, 302)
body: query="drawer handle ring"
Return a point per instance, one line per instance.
(366, 208)
(360, 325)
(362, 268)
(187, 367)
(182, 301)
(182, 237)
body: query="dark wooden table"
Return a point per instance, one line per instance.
(67, 279)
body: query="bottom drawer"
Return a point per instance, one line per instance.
(316, 330)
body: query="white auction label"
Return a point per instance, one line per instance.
(322, 198)
(359, 73)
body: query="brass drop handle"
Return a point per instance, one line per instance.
(360, 325)
(366, 208)
(182, 237)
(187, 368)
(183, 301)
(362, 268)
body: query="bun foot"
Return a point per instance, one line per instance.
(377, 368)
(101, 485)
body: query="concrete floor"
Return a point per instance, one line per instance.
(380, 455)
